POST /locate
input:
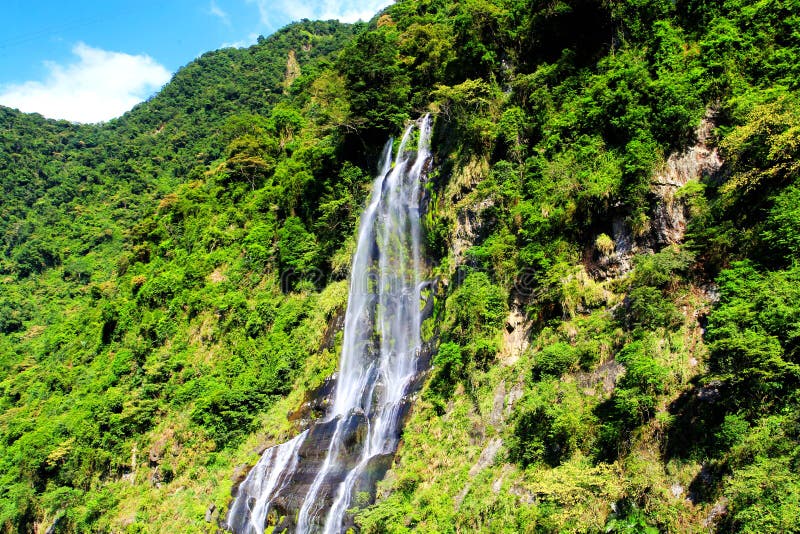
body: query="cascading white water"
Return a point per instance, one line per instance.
(271, 474)
(379, 358)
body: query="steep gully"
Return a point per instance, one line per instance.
(308, 483)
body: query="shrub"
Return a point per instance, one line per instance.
(633, 402)
(782, 230)
(448, 357)
(648, 308)
(604, 244)
(297, 252)
(549, 424)
(477, 307)
(661, 268)
(555, 360)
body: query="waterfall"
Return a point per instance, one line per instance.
(268, 477)
(308, 483)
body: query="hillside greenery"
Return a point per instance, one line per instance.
(170, 281)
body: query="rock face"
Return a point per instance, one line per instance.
(669, 214)
(316, 403)
(473, 223)
(516, 335)
(311, 454)
(700, 161)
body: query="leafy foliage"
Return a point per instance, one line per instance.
(167, 279)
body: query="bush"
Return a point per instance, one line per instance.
(477, 307)
(648, 308)
(633, 402)
(448, 359)
(555, 360)
(160, 289)
(297, 252)
(781, 235)
(34, 256)
(662, 268)
(549, 424)
(753, 336)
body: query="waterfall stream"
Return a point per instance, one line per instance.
(307, 484)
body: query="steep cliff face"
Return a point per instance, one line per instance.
(700, 162)
(670, 209)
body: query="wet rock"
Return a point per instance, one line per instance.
(316, 445)
(365, 487)
(52, 528)
(335, 325)
(316, 403)
(352, 432)
(238, 476)
(428, 292)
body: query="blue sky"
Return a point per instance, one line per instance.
(90, 61)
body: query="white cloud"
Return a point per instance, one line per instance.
(250, 40)
(344, 10)
(99, 86)
(215, 10)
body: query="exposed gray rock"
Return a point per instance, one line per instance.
(316, 403)
(524, 495)
(497, 485)
(513, 396)
(669, 216)
(498, 403)
(52, 528)
(700, 161)
(239, 473)
(471, 227)
(719, 511)
(486, 459)
(606, 375)
(458, 499)
(515, 336)
(487, 456)
(210, 512)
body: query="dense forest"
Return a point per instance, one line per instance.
(613, 218)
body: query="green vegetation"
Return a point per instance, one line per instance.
(169, 281)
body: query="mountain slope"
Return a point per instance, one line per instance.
(612, 216)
